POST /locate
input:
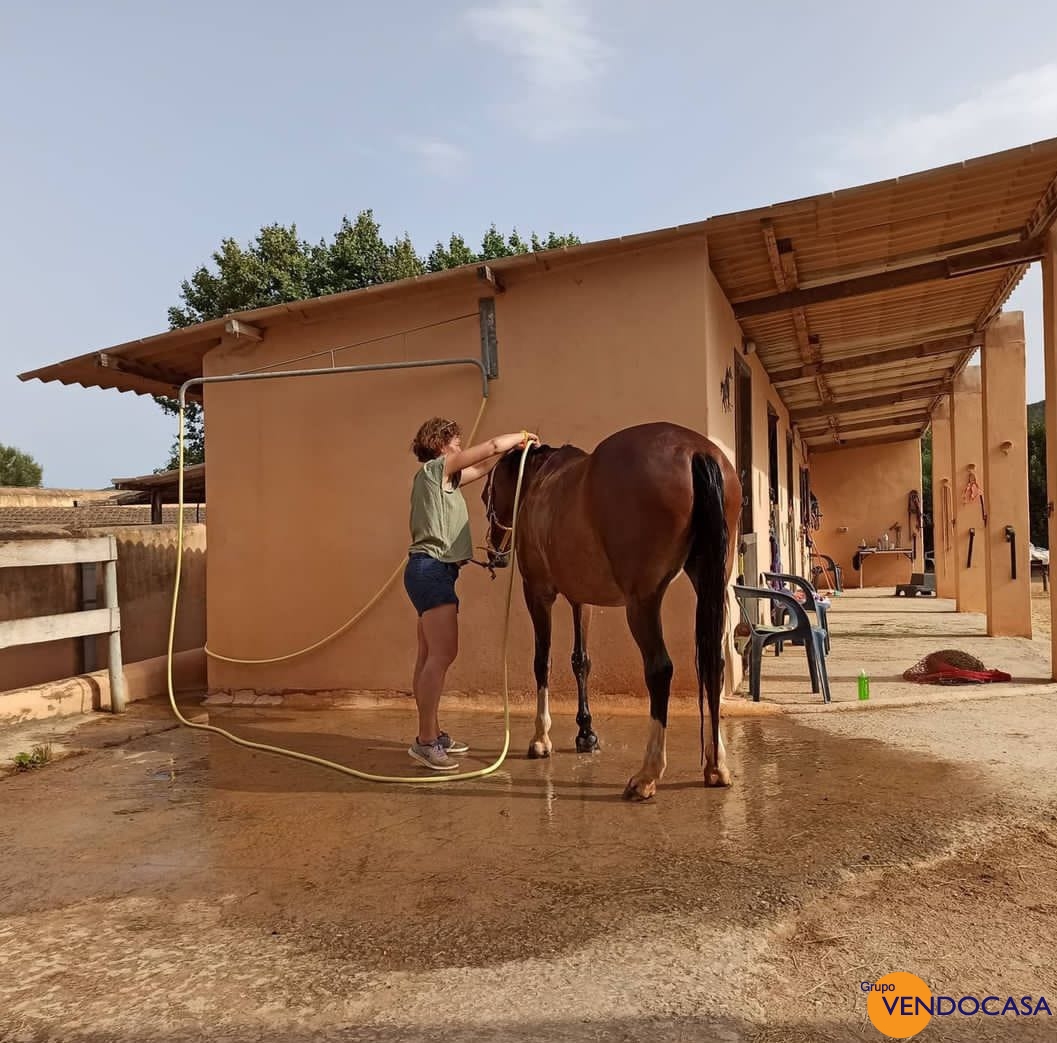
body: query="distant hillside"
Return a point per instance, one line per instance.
(1036, 412)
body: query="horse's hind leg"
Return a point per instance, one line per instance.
(644, 619)
(539, 607)
(586, 740)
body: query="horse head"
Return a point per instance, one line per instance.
(498, 498)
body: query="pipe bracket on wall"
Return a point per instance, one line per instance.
(489, 340)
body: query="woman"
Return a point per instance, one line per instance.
(440, 545)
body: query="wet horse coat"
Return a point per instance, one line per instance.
(613, 528)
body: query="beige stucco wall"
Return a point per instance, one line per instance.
(864, 491)
(145, 572)
(967, 451)
(1005, 476)
(583, 351)
(943, 509)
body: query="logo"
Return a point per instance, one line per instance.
(900, 1005)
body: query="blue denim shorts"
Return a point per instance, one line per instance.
(430, 583)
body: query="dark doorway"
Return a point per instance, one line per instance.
(743, 439)
(772, 460)
(790, 517)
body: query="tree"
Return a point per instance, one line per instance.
(928, 529)
(1038, 519)
(278, 266)
(19, 469)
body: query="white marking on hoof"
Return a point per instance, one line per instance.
(716, 772)
(541, 741)
(644, 785)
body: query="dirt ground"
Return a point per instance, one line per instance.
(179, 888)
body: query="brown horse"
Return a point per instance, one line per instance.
(615, 527)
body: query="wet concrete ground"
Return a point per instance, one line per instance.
(180, 888)
(176, 887)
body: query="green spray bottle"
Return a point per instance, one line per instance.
(864, 686)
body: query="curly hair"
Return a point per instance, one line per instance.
(433, 436)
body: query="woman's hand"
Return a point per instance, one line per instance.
(468, 461)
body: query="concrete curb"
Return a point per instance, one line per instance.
(523, 705)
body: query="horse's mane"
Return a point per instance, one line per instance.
(544, 455)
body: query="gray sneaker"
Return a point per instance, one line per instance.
(431, 755)
(452, 745)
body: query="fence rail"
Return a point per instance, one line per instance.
(106, 620)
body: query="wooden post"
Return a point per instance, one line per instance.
(156, 507)
(117, 674)
(1049, 339)
(89, 601)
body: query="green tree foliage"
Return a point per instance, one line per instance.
(278, 266)
(19, 469)
(1037, 518)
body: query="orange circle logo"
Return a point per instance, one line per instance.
(899, 1004)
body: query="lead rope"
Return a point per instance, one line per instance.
(308, 758)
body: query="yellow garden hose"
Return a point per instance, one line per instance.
(308, 758)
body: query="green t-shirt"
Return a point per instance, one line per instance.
(440, 523)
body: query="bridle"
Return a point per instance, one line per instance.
(496, 555)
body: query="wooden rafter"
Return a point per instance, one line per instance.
(947, 268)
(935, 253)
(900, 420)
(916, 393)
(168, 382)
(868, 360)
(786, 278)
(858, 443)
(1044, 214)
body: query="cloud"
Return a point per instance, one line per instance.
(438, 158)
(1001, 115)
(559, 63)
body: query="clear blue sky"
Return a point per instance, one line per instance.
(137, 135)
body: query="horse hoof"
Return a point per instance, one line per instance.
(717, 777)
(587, 743)
(639, 791)
(538, 751)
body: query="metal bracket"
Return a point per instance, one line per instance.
(489, 340)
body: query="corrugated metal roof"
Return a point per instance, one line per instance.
(942, 215)
(920, 226)
(139, 490)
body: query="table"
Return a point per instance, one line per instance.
(865, 552)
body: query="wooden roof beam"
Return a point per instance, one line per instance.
(1044, 214)
(916, 393)
(901, 420)
(888, 356)
(168, 382)
(859, 443)
(936, 253)
(932, 271)
(786, 278)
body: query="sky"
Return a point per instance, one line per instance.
(136, 136)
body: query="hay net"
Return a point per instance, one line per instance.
(951, 666)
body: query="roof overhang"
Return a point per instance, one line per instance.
(163, 487)
(863, 304)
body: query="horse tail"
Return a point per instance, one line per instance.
(706, 566)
